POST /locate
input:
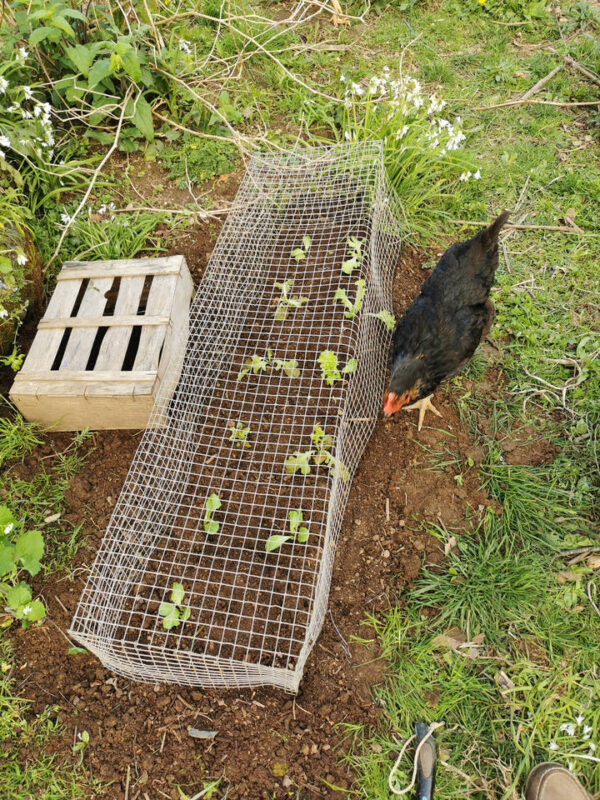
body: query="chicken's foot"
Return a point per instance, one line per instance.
(423, 405)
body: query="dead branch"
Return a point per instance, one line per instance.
(541, 83)
(534, 102)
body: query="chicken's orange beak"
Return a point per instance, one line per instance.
(393, 403)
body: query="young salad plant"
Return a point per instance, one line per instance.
(300, 461)
(255, 364)
(239, 435)
(300, 253)
(330, 371)
(287, 301)
(19, 550)
(389, 320)
(352, 309)
(213, 503)
(175, 612)
(355, 253)
(290, 367)
(301, 533)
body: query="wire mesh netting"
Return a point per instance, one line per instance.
(264, 422)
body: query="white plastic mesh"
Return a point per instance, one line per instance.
(254, 615)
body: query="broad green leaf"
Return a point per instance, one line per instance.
(295, 518)
(170, 615)
(6, 516)
(29, 549)
(98, 72)
(213, 502)
(302, 535)
(31, 611)
(62, 25)
(130, 63)
(81, 57)
(177, 593)
(7, 559)
(73, 14)
(275, 541)
(299, 462)
(211, 527)
(19, 595)
(40, 34)
(142, 118)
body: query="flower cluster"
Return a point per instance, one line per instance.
(581, 733)
(404, 105)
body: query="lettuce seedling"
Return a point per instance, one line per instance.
(175, 612)
(298, 462)
(330, 371)
(321, 454)
(255, 364)
(301, 534)
(300, 253)
(389, 320)
(356, 255)
(286, 301)
(213, 503)
(352, 309)
(239, 435)
(290, 367)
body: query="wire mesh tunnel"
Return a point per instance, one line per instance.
(264, 422)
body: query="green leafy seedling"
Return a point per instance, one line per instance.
(355, 253)
(174, 613)
(255, 364)
(299, 462)
(330, 371)
(213, 503)
(287, 301)
(301, 533)
(239, 435)
(290, 367)
(389, 320)
(300, 253)
(352, 309)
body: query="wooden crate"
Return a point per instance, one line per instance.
(112, 332)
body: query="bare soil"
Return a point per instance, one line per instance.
(267, 743)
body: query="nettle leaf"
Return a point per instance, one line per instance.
(100, 70)
(62, 25)
(177, 593)
(7, 559)
(41, 34)
(29, 549)
(73, 14)
(142, 118)
(81, 56)
(19, 595)
(275, 541)
(170, 615)
(130, 64)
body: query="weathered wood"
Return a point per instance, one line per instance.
(102, 322)
(107, 396)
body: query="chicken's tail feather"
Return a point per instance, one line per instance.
(489, 235)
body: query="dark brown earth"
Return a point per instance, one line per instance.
(267, 743)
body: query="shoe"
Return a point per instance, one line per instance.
(553, 782)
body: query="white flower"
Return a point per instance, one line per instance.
(185, 46)
(9, 528)
(579, 719)
(27, 92)
(3, 315)
(465, 176)
(568, 728)
(402, 132)
(21, 258)
(27, 611)
(342, 78)
(592, 747)
(26, 114)
(23, 53)
(65, 219)
(571, 766)
(587, 729)
(356, 89)
(3, 84)
(552, 746)
(477, 175)
(4, 141)
(37, 111)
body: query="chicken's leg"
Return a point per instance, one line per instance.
(423, 405)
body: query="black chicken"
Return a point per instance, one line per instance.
(441, 329)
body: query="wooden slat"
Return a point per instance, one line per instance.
(128, 268)
(46, 343)
(114, 345)
(76, 413)
(160, 298)
(64, 375)
(80, 342)
(101, 322)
